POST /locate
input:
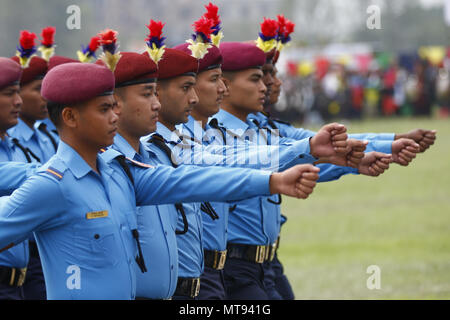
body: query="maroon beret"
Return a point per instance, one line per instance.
(134, 68)
(77, 82)
(10, 72)
(35, 70)
(270, 56)
(57, 60)
(213, 59)
(176, 63)
(240, 56)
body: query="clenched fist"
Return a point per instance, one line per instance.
(404, 151)
(425, 138)
(298, 181)
(374, 163)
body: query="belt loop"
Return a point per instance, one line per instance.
(13, 276)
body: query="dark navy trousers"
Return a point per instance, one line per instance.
(212, 285)
(244, 280)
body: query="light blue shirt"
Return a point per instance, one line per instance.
(83, 220)
(244, 150)
(252, 221)
(14, 174)
(17, 256)
(156, 225)
(34, 139)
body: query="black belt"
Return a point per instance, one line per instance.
(188, 287)
(13, 277)
(252, 253)
(215, 259)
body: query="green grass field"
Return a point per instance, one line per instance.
(399, 221)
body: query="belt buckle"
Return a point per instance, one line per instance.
(20, 279)
(222, 259)
(195, 288)
(260, 254)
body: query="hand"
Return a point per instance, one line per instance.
(353, 156)
(298, 181)
(425, 138)
(404, 151)
(374, 163)
(329, 141)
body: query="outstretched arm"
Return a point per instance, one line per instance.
(13, 174)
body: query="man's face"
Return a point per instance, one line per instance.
(178, 97)
(276, 88)
(268, 80)
(95, 121)
(139, 109)
(34, 106)
(10, 103)
(247, 91)
(210, 90)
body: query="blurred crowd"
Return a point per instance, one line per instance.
(370, 85)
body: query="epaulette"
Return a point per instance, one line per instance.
(54, 173)
(139, 164)
(109, 154)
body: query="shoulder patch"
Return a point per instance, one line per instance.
(140, 164)
(54, 173)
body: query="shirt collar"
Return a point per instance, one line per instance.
(231, 122)
(74, 162)
(168, 135)
(23, 130)
(193, 129)
(124, 147)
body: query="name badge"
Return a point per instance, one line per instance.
(96, 215)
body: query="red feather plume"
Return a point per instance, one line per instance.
(26, 39)
(269, 28)
(48, 35)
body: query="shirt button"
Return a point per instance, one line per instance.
(165, 232)
(301, 156)
(171, 267)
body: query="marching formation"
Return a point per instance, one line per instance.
(160, 174)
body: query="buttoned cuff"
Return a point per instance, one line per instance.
(302, 151)
(260, 182)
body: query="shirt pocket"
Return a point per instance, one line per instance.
(96, 244)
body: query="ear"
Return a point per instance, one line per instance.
(227, 83)
(70, 117)
(119, 103)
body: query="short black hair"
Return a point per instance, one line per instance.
(54, 112)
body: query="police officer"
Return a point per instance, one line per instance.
(88, 240)
(138, 106)
(13, 262)
(42, 144)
